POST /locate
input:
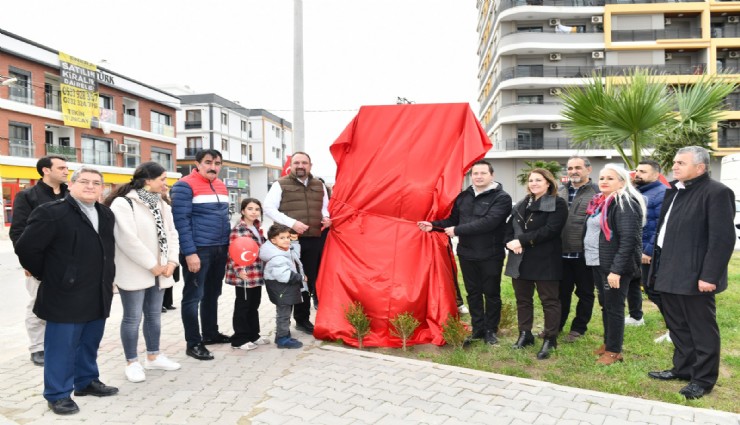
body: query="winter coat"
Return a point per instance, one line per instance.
(479, 223)
(283, 274)
(27, 200)
(137, 243)
(575, 226)
(254, 270)
(200, 208)
(75, 264)
(622, 254)
(542, 224)
(654, 193)
(699, 239)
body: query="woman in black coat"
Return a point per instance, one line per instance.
(535, 258)
(613, 248)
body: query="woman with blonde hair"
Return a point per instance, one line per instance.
(613, 248)
(535, 258)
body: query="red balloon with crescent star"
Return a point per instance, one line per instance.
(244, 251)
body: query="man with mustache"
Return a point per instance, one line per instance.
(301, 202)
(200, 207)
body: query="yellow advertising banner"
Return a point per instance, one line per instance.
(79, 88)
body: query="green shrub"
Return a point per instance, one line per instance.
(355, 315)
(404, 325)
(508, 316)
(454, 331)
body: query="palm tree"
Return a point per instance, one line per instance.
(640, 111)
(551, 166)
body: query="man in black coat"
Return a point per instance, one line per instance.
(694, 244)
(68, 245)
(478, 217)
(52, 186)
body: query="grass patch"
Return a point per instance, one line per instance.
(574, 364)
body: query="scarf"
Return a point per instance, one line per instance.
(152, 201)
(599, 203)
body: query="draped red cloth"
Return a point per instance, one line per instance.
(396, 165)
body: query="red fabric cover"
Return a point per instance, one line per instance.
(396, 165)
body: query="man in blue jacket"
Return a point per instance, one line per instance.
(200, 208)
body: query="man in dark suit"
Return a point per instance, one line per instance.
(694, 244)
(69, 246)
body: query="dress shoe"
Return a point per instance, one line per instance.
(170, 307)
(38, 358)
(97, 389)
(573, 336)
(164, 309)
(609, 358)
(548, 345)
(601, 350)
(693, 391)
(667, 375)
(199, 352)
(219, 338)
(525, 340)
(490, 338)
(305, 327)
(63, 406)
(478, 334)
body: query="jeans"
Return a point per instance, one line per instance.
(482, 281)
(612, 309)
(201, 291)
(282, 321)
(576, 274)
(135, 303)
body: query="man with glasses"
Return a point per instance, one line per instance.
(69, 246)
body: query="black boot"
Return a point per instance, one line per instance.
(547, 346)
(525, 340)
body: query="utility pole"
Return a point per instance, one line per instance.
(299, 135)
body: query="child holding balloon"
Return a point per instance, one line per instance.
(244, 272)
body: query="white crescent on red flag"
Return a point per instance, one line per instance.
(286, 167)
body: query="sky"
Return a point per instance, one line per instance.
(356, 52)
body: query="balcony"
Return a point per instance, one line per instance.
(193, 124)
(508, 4)
(651, 1)
(192, 151)
(131, 121)
(21, 94)
(653, 35)
(512, 110)
(22, 148)
(732, 102)
(107, 115)
(536, 144)
(728, 142)
(51, 101)
(66, 151)
(552, 38)
(163, 129)
(96, 157)
(727, 31)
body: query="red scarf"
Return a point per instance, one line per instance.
(600, 203)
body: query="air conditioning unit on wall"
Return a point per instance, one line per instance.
(597, 19)
(667, 21)
(555, 126)
(555, 91)
(554, 22)
(733, 19)
(597, 55)
(122, 148)
(733, 55)
(734, 124)
(555, 56)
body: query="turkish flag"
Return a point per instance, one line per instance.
(286, 167)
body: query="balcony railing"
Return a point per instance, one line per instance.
(52, 101)
(21, 94)
(727, 31)
(652, 35)
(131, 121)
(91, 156)
(729, 142)
(193, 124)
(22, 148)
(651, 1)
(163, 129)
(66, 151)
(538, 144)
(508, 4)
(732, 102)
(192, 151)
(107, 115)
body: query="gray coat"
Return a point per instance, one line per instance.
(575, 226)
(283, 274)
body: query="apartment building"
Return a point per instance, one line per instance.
(135, 122)
(530, 49)
(254, 142)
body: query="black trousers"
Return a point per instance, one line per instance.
(692, 320)
(246, 318)
(482, 281)
(651, 293)
(167, 300)
(311, 249)
(634, 297)
(577, 275)
(612, 309)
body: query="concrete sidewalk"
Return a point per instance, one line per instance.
(320, 383)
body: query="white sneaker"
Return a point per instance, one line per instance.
(161, 363)
(462, 309)
(261, 341)
(629, 321)
(248, 346)
(663, 338)
(135, 373)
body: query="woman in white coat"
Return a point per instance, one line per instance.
(147, 248)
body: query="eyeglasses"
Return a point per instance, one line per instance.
(96, 183)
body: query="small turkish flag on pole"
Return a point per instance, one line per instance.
(286, 167)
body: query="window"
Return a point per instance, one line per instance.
(97, 150)
(250, 152)
(277, 153)
(161, 123)
(224, 145)
(249, 129)
(193, 119)
(244, 149)
(132, 158)
(534, 99)
(21, 91)
(20, 140)
(163, 157)
(224, 118)
(529, 29)
(244, 126)
(530, 138)
(105, 102)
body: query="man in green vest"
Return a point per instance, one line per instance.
(301, 202)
